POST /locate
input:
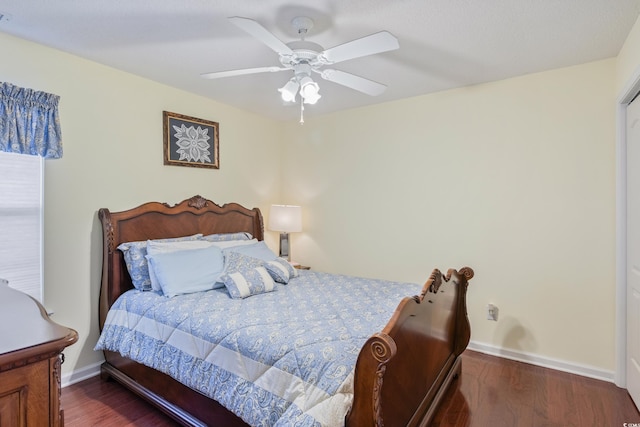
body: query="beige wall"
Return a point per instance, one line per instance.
(513, 178)
(112, 133)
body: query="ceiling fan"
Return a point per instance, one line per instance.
(305, 58)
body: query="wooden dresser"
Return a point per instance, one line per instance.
(30, 357)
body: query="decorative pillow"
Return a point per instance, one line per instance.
(134, 258)
(235, 261)
(155, 247)
(258, 250)
(187, 271)
(222, 237)
(249, 282)
(281, 270)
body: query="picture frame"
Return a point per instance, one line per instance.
(189, 141)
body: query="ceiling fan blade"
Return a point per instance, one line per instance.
(375, 43)
(259, 32)
(354, 82)
(230, 73)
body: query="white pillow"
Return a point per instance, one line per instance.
(157, 247)
(187, 271)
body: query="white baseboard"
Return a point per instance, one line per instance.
(532, 359)
(545, 362)
(80, 374)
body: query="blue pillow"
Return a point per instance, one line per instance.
(187, 271)
(249, 282)
(155, 247)
(134, 258)
(281, 270)
(223, 237)
(258, 250)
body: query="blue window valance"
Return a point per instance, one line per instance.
(29, 122)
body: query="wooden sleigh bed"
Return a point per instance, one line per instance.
(401, 374)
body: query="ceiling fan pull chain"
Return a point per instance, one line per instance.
(301, 111)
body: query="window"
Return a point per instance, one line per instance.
(21, 216)
(29, 132)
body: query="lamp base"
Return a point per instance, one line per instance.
(284, 246)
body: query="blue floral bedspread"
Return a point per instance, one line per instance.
(284, 358)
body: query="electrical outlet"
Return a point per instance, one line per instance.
(492, 312)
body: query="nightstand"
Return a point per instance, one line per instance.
(302, 267)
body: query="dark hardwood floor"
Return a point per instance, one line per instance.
(497, 392)
(490, 392)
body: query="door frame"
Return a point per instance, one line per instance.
(629, 91)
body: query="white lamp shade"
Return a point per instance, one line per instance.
(285, 218)
(289, 91)
(309, 90)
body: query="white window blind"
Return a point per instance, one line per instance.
(21, 217)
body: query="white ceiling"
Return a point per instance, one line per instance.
(443, 43)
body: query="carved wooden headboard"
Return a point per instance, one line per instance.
(156, 220)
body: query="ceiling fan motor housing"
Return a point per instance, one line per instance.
(302, 25)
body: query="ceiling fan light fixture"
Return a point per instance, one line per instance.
(312, 99)
(289, 91)
(309, 90)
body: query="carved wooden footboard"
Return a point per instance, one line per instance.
(401, 373)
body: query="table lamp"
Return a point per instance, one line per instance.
(285, 219)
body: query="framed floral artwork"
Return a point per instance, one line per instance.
(189, 141)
